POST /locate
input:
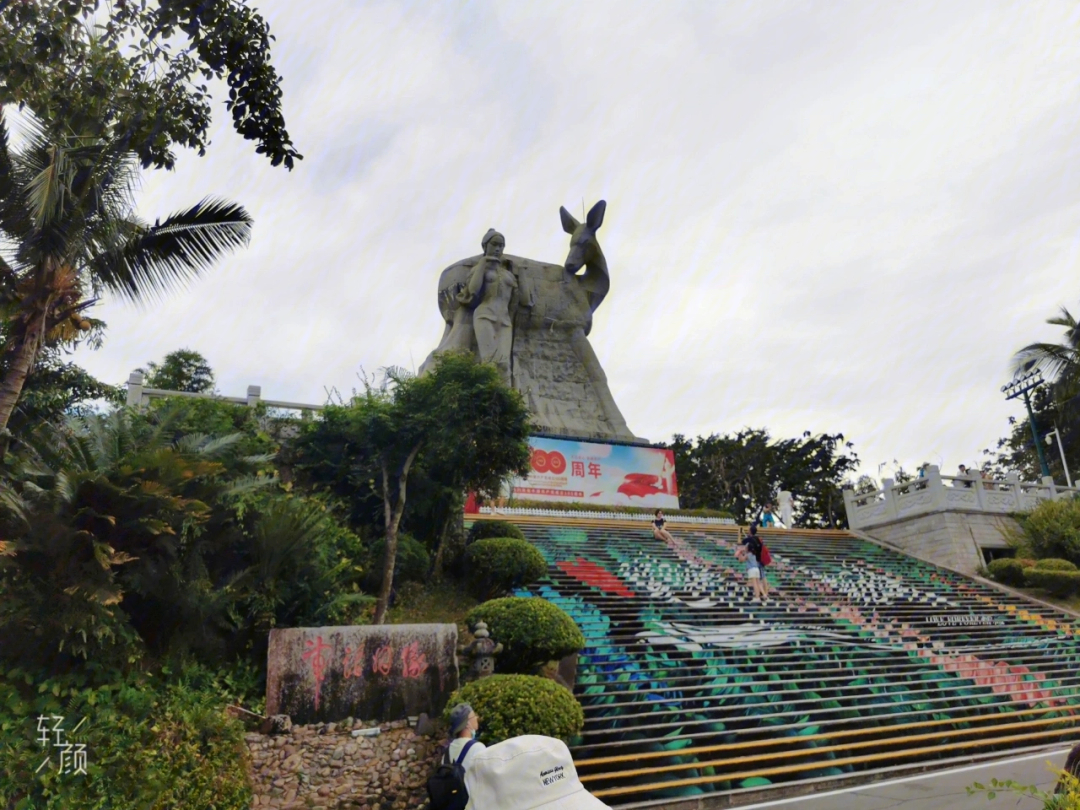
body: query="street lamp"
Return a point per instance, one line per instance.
(1020, 387)
(1061, 449)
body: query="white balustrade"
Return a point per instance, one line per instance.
(599, 515)
(939, 493)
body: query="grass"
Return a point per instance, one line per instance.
(435, 603)
(1068, 602)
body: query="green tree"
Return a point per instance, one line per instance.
(67, 211)
(139, 72)
(120, 538)
(1055, 405)
(182, 370)
(460, 419)
(739, 473)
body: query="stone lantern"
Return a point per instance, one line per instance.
(482, 651)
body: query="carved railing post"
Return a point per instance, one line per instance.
(980, 493)
(1013, 481)
(135, 389)
(850, 508)
(936, 487)
(1051, 489)
(890, 498)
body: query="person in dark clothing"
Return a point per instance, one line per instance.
(658, 530)
(750, 553)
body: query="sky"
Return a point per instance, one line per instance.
(834, 217)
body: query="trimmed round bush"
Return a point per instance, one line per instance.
(496, 565)
(1058, 583)
(512, 705)
(1052, 564)
(532, 631)
(1053, 529)
(483, 529)
(1007, 571)
(412, 564)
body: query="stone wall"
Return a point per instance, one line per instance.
(324, 767)
(951, 539)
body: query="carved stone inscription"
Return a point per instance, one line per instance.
(387, 672)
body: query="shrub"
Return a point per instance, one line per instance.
(148, 743)
(1053, 529)
(1058, 583)
(532, 631)
(498, 564)
(512, 705)
(1007, 571)
(413, 563)
(1051, 564)
(483, 529)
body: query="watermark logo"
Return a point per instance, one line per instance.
(51, 735)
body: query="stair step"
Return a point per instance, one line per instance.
(862, 659)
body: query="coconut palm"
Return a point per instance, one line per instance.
(1059, 362)
(69, 232)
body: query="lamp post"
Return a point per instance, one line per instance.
(1061, 449)
(1020, 387)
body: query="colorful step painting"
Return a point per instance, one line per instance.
(859, 659)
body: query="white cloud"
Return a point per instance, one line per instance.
(839, 217)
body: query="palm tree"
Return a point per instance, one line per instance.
(69, 232)
(1059, 362)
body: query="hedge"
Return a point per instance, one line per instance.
(512, 705)
(1052, 564)
(1007, 571)
(1058, 583)
(532, 631)
(497, 565)
(483, 529)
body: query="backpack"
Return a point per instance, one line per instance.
(754, 546)
(766, 557)
(446, 787)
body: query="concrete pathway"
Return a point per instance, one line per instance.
(943, 790)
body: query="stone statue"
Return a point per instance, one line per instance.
(549, 311)
(492, 295)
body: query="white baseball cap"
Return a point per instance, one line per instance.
(527, 773)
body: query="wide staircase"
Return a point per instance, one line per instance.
(862, 662)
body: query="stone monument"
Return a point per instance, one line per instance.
(381, 672)
(532, 320)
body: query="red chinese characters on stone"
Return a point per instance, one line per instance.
(315, 655)
(413, 662)
(354, 662)
(383, 660)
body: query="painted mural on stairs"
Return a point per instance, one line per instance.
(853, 640)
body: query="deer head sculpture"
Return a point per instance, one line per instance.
(585, 252)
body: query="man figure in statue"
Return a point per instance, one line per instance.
(492, 294)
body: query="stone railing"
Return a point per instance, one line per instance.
(139, 395)
(510, 511)
(941, 493)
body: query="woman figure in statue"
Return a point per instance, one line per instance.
(492, 292)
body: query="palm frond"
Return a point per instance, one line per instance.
(1052, 359)
(209, 446)
(9, 204)
(248, 483)
(169, 254)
